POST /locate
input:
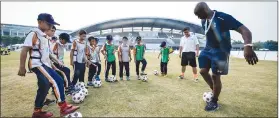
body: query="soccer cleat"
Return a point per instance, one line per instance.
(211, 106)
(128, 78)
(66, 109)
(48, 102)
(181, 77)
(42, 114)
(90, 84)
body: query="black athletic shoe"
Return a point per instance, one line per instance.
(49, 102)
(107, 80)
(211, 106)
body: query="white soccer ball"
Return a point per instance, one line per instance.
(144, 78)
(78, 97)
(207, 96)
(74, 115)
(112, 78)
(80, 85)
(84, 91)
(97, 84)
(155, 72)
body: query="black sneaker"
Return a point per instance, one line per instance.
(49, 102)
(211, 106)
(107, 80)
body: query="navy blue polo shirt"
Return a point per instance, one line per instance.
(218, 36)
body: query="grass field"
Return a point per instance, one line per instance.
(248, 91)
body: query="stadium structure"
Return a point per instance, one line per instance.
(152, 30)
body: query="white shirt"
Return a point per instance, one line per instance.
(42, 44)
(79, 53)
(189, 43)
(125, 49)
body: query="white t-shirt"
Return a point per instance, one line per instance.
(189, 43)
(37, 40)
(125, 49)
(79, 53)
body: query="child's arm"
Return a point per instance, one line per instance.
(130, 55)
(119, 54)
(99, 54)
(103, 51)
(23, 55)
(87, 59)
(135, 52)
(72, 53)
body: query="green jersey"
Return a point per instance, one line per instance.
(139, 52)
(165, 55)
(110, 54)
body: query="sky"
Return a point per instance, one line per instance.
(259, 17)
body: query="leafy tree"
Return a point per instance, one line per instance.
(271, 45)
(258, 45)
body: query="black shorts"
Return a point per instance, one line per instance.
(188, 58)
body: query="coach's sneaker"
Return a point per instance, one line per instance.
(66, 108)
(38, 113)
(211, 106)
(48, 102)
(128, 78)
(90, 83)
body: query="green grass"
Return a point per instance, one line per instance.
(248, 91)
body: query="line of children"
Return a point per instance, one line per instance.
(38, 47)
(94, 61)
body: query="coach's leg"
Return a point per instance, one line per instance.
(205, 65)
(217, 86)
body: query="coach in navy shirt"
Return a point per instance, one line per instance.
(217, 26)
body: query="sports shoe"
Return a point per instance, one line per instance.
(106, 79)
(211, 106)
(97, 78)
(138, 77)
(196, 80)
(66, 108)
(48, 102)
(90, 83)
(128, 78)
(181, 77)
(41, 114)
(121, 78)
(68, 92)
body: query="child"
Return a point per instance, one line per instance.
(165, 51)
(58, 51)
(139, 57)
(77, 57)
(124, 56)
(36, 44)
(108, 52)
(94, 61)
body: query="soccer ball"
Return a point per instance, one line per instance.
(74, 115)
(80, 85)
(155, 72)
(97, 84)
(207, 96)
(144, 78)
(84, 91)
(78, 97)
(112, 78)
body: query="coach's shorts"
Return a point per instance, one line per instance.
(188, 58)
(215, 59)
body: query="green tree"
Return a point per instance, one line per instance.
(258, 45)
(271, 45)
(237, 42)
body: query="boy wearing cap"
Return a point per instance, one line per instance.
(77, 57)
(108, 52)
(165, 51)
(36, 44)
(124, 57)
(93, 59)
(139, 50)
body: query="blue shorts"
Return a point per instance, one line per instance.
(216, 59)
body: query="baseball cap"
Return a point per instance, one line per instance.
(163, 44)
(125, 38)
(109, 37)
(48, 18)
(65, 37)
(138, 38)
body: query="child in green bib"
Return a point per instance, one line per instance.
(139, 50)
(165, 51)
(108, 52)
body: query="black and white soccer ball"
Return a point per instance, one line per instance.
(97, 84)
(78, 97)
(84, 91)
(144, 78)
(80, 85)
(74, 115)
(207, 96)
(112, 78)
(155, 72)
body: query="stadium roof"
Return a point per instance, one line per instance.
(142, 22)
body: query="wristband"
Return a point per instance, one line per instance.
(248, 45)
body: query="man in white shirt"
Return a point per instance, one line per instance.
(188, 50)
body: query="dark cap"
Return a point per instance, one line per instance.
(163, 44)
(138, 38)
(125, 38)
(48, 18)
(109, 37)
(65, 37)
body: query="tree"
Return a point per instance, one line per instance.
(237, 42)
(258, 45)
(271, 45)
(7, 40)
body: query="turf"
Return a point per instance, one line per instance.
(248, 91)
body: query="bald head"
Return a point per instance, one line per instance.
(202, 10)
